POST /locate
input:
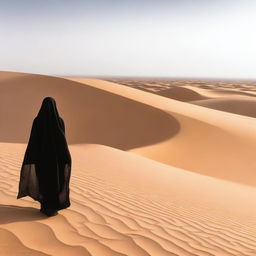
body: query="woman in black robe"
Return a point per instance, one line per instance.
(46, 168)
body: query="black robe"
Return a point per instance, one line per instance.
(46, 168)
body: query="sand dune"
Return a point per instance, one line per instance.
(185, 200)
(221, 92)
(181, 94)
(91, 114)
(238, 105)
(209, 142)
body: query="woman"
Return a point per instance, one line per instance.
(46, 168)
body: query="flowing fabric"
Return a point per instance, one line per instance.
(46, 168)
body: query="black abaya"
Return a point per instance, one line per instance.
(46, 168)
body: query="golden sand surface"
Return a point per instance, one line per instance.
(168, 171)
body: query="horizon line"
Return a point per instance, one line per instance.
(139, 76)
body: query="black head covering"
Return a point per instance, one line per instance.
(48, 113)
(52, 130)
(46, 167)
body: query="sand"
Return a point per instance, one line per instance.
(151, 175)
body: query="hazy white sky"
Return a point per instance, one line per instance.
(170, 38)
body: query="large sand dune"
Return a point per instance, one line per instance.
(185, 200)
(92, 115)
(210, 142)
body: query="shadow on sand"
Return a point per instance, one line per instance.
(13, 213)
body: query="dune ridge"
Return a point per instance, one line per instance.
(181, 94)
(90, 113)
(240, 105)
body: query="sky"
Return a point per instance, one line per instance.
(161, 38)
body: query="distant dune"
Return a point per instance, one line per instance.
(181, 93)
(240, 105)
(151, 175)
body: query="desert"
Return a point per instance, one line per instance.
(159, 167)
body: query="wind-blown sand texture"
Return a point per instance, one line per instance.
(151, 175)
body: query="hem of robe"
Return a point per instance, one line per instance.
(29, 186)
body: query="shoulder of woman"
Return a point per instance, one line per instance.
(35, 121)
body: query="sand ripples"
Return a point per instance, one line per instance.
(112, 219)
